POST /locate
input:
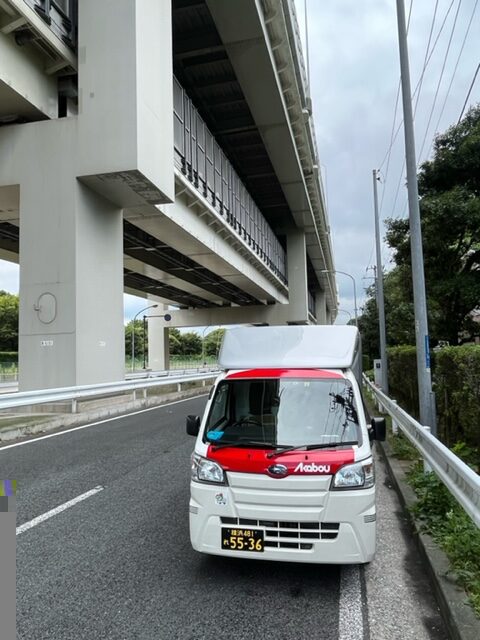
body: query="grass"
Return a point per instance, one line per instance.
(176, 362)
(21, 421)
(437, 513)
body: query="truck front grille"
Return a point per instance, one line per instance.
(289, 535)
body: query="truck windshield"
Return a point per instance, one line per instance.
(283, 412)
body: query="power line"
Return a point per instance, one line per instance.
(398, 189)
(389, 150)
(469, 92)
(454, 73)
(439, 81)
(417, 88)
(425, 59)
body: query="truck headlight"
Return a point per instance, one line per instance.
(204, 470)
(360, 475)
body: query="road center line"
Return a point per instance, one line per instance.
(53, 512)
(350, 617)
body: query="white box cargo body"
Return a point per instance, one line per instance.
(282, 467)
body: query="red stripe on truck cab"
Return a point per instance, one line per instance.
(284, 373)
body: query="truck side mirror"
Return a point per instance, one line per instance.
(379, 429)
(193, 425)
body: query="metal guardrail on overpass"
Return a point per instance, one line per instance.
(462, 482)
(203, 162)
(88, 392)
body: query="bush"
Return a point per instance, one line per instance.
(9, 356)
(402, 377)
(366, 363)
(457, 387)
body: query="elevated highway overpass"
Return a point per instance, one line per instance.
(164, 148)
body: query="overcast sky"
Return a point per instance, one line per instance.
(354, 70)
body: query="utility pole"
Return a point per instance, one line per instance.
(425, 394)
(379, 291)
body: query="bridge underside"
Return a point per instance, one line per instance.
(218, 211)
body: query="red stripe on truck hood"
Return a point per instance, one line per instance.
(243, 460)
(284, 373)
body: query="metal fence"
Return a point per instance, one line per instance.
(462, 482)
(89, 392)
(204, 164)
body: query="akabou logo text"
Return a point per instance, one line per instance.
(312, 468)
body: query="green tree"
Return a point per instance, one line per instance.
(213, 340)
(449, 189)
(191, 344)
(174, 341)
(8, 321)
(139, 339)
(184, 344)
(400, 325)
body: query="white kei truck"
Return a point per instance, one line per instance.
(282, 467)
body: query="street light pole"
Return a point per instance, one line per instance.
(203, 345)
(152, 306)
(379, 291)
(354, 288)
(167, 317)
(425, 393)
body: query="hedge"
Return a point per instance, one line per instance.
(402, 377)
(456, 382)
(457, 389)
(9, 356)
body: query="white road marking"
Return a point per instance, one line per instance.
(53, 512)
(350, 616)
(94, 424)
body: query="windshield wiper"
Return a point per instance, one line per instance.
(243, 443)
(309, 447)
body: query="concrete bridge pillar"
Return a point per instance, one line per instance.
(321, 307)
(297, 275)
(71, 273)
(76, 175)
(158, 345)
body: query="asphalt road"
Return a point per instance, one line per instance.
(117, 564)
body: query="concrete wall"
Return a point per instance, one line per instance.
(23, 74)
(126, 100)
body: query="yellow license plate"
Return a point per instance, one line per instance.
(242, 539)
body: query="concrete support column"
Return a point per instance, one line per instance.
(321, 307)
(158, 345)
(297, 275)
(71, 269)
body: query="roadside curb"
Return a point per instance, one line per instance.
(64, 421)
(459, 618)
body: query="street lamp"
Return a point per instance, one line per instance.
(203, 344)
(345, 311)
(354, 288)
(152, 306)
(167, 317)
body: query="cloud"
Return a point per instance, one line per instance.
(354, 70)
(9, 276)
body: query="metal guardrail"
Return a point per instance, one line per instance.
(84, 392)
(462, 482)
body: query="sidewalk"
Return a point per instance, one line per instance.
(458, 617)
